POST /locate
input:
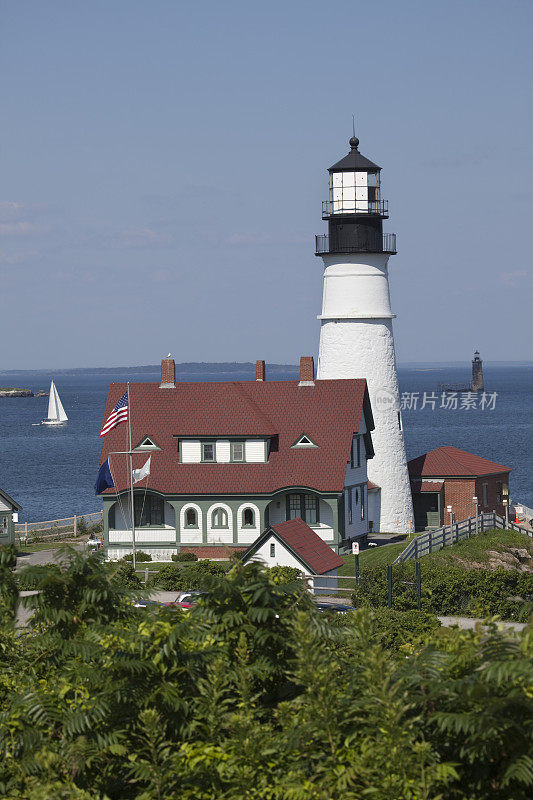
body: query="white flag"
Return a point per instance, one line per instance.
(142, 472)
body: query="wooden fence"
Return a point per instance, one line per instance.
(53, 529)
(432, 541)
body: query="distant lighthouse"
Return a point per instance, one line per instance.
(356, 338)
(477, 373)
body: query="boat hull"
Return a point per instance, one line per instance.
(52, 422)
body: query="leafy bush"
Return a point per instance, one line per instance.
(399, 631)
(123, 574)
(283, 575)
(184, 557)
(192, 576)
(448, 590)
(139, 556)
(254, 694)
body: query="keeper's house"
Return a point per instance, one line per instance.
(8, 516)
(228, 460)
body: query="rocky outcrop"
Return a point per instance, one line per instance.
(516, 559)
(16, 393)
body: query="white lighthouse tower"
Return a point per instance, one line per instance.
(356, 338)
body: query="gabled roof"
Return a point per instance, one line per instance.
(8, 499)
(306, 545)
(446, 462)
(330, 412)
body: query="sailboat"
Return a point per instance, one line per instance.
(56, 412)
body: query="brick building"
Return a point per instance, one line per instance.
(448, 476)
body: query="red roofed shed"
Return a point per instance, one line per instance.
(448, 476)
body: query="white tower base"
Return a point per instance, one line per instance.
(356, 341)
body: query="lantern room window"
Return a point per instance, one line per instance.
(354, 192)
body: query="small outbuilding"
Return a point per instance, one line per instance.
(448, 476)
(295, 544)
(8, 516)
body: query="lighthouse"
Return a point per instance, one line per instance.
(356, 337)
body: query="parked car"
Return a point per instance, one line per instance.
(185, 599)
(145, 603)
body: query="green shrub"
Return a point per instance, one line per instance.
(139, 556)
(184, 557)
(280, 575)
(448, 590)
(192, 576)
(123, 574)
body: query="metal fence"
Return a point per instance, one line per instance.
(56, 528)
(432, 541)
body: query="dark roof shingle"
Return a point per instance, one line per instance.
(451, 462)
(308, 545)
(329, 412)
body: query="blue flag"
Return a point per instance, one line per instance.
(104, 479)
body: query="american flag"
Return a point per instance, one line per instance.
(118, 415)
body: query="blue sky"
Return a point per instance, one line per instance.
(164, 164)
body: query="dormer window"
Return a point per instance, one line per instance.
(304, 441)
(147, 444)
(208, 451)
(237, 451)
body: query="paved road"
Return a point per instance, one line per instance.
(42, 556)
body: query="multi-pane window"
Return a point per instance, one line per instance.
(148, 510)
(191, 518)
(304, 506)
(362, 503)
(272, 550)
(485, 494)
(311, 509)
(350, 507)
(248, 518)
(295, 506)
(351, 192)
(208, 451)
(219, 518)
(237, 451)
(358, 451)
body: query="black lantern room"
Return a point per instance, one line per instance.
(355, 210)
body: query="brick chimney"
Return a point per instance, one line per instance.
(260, 370)
(168, 373)
(307, 371)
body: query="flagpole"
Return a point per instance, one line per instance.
(132, 505)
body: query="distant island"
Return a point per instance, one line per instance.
(12, 391)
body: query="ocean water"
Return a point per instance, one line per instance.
(51, 471)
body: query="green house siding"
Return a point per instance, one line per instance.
(234, 502)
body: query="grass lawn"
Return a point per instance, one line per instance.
(476, 549)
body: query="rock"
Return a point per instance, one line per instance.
(520, 552)
(16, 393)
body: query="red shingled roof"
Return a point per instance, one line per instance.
(450, 461)
(371, 486)
(329, 412)
(307, 545)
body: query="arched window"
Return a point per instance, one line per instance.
(219, 518)
(248, 520)
(191, 518)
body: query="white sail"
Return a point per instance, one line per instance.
(60, 410)
(52, 405)
(56, 412)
